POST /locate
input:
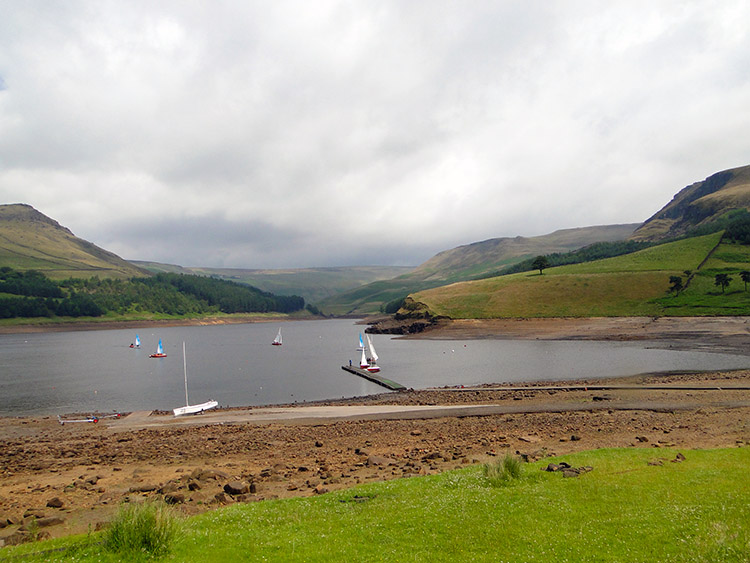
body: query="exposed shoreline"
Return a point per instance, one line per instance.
(306, 450)
(122, 325)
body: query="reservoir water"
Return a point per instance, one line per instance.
(97, 371)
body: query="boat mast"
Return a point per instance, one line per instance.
(184, 369)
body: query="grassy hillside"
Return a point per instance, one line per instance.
(626, 508)
(31, 240)
(468, 262)
(634, 284)
(314, 284)
(699, 204)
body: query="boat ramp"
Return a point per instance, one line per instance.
(375, 378)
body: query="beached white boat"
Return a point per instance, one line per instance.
(188, 408)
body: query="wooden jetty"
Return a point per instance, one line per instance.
(375, 378)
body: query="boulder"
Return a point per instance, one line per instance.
(147, 488)
(174, 498)
(55, 502)
(236, 488)
(18, 537)
(206, 474)
(49, 521)
(378, 460)
(169, 487)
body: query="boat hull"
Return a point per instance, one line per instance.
(157, 356)
(195, 409)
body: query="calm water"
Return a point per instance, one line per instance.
(97, 371)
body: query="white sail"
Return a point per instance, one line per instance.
(373, 354)
(137, 341)
(363, 361)
(361, 342)
(277, 340)
(159, 348)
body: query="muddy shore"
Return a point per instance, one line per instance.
(72, 477)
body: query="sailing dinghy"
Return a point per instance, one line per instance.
(159, 352)
(188, 408)
(277, 340)
(373, 366)
(137, 342)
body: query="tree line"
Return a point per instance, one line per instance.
(32, 294)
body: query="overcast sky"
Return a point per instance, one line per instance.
(326, 133)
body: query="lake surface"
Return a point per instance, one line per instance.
(97, 371)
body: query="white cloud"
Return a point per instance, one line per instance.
(330, 133)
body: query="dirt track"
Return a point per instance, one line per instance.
(91, 468)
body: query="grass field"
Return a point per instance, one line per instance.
(632, 285)
(624, 510)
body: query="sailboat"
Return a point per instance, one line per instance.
(373, 366)
(277, 340)
(159, 352)
(137, 342)
(188, 408)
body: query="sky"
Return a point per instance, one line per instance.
(289, 133)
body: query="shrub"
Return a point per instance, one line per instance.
(148, 528)
(503, 471)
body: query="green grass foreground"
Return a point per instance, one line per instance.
(624, 510)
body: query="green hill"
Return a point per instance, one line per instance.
(630, 285)
(699, 204)
(29, 240)
(314, 284)
(469, 262)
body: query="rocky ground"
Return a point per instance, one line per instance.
(71, 478)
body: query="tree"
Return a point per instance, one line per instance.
(675, 284)
(745, 277)
(722, 280)
(540, 263)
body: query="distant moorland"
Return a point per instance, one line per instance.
(685, 260)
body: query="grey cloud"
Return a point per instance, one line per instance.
(295, 134)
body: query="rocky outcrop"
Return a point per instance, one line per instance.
(412, 318)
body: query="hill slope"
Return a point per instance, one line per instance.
(630, 285)
(698, 204)
(314, 284)
(468, 262)
(31, 240)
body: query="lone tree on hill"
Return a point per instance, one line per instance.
(675, 284)
(540, 263)
(722, 280)
(745, 277)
